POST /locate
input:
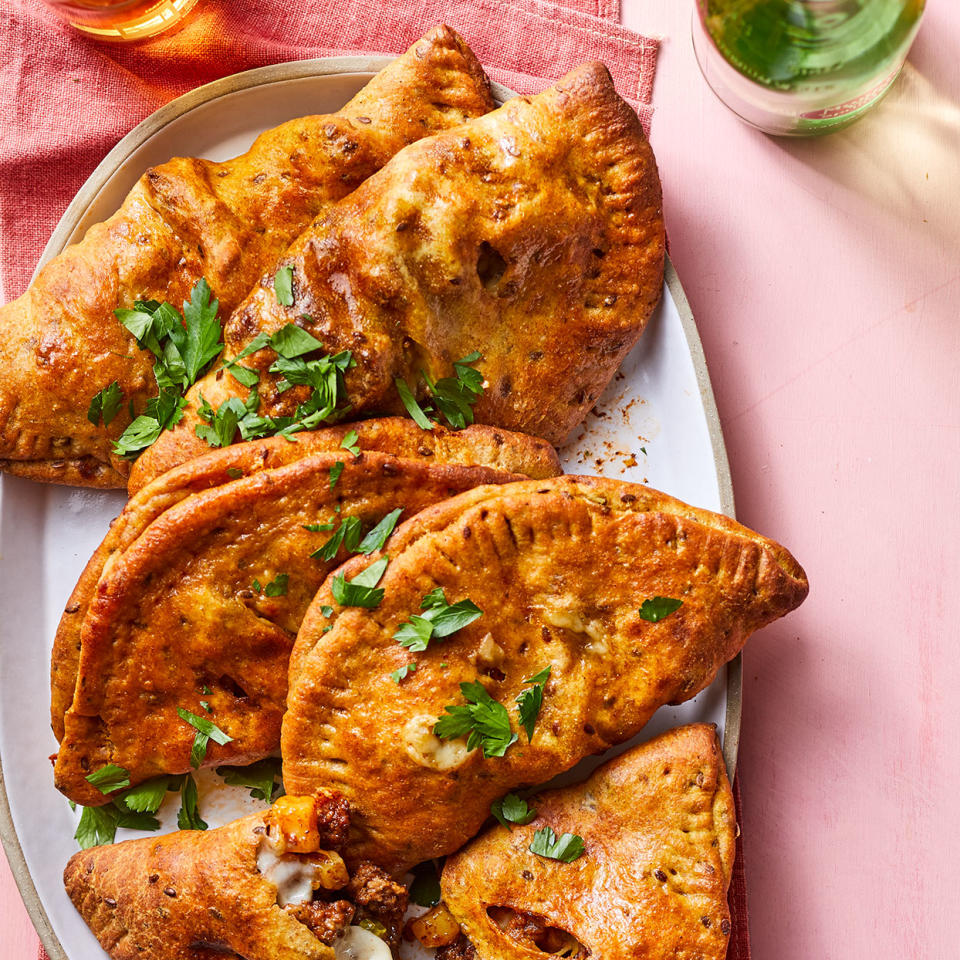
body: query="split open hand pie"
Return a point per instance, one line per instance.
(269, 886)
(658, 830)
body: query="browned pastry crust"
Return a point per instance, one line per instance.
(196, 895)
(560, 568)
(659, 827)
(175, 613)
(395, 436)
(186, 219)
(187, 894)
(534, 234)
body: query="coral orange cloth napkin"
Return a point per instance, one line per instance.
(66, 100)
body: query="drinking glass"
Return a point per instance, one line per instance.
(802, 67)
(122, 20)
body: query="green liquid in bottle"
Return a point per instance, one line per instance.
(828, 55)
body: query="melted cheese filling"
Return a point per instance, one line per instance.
(428, 750)
(359, 944)
(294, 877)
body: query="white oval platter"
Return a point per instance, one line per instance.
(656, 424)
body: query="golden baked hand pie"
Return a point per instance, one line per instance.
(659, 831)
(200, 611)
(533, 235)
(228, 222)
(395, 436)
(567, 573)
(269, 886)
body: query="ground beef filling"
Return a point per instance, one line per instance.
(460, 949)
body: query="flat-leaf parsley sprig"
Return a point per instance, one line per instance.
(453, 397)
(184, 345)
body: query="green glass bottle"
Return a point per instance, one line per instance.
(803, 67)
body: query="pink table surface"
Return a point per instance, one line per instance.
(825, 280)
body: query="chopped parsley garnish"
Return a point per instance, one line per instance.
(234, 473)
(362, 590)
(207, 730)
(566, 848)
(439, 619)
(262, 778)
(656, 608)
(410, 404)
(109, 778)
(105, 405)
(324, 375)
(397, 675)
(346, 535)
(188, 818)
(98, 825)
(425, 889)
(512, 809)
(277, 587)
(377, 537)
(486, 721)
(335, 472)
(146, 797)
(283, 286)
(530, 701)
(349, 442)
(184, 345)
(454, 397)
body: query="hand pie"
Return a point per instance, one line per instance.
(269, 886)
(533, 235)
(197, 607)
(659, 830)
(394, 436)
(228, 222)
(573, 574)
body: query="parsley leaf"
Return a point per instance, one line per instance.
(277, 587)
(486, 721)
(425, 888)
(349, 442)
(362, 590)
(105, 405)
(97, 825)
(347, 534)
(439, 620)
(183, 346)
(335, 472)
(109, 778)
(656, 608)
(512, 809)
(188, 818)
(201, 342)
(411, 405)
(566, 848)
(283, 286)
(261, 777)
(145, 797)
(206, 730)
(397, 675)
(530, 701)
(291, 341)
(377, 537)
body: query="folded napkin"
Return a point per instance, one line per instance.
(66, 100)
